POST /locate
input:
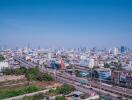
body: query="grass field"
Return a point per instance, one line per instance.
(7, 93)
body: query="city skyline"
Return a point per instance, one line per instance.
(66, 23)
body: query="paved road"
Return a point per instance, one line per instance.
(86, 88)
(124, 92)
(120, 91)
(101, 87)
(24, 63)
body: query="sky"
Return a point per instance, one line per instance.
(66, 23)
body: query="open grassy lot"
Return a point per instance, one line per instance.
(6, 93)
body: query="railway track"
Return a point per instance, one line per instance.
(115, 90)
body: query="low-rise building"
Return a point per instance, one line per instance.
(104, 73)
(3, 65)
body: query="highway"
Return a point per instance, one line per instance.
(103, 88)
(120, 91)
(24, 62)
(69, 79)
(85, 88)
(84, 69)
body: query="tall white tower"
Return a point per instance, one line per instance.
(49, 55)
(91, 63)
(116, 51)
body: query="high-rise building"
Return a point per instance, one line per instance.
(49, 55)
(116, 51)
(110, 51)
(91, 63)
(122, 49)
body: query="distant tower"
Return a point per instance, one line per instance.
(94, 49)
(62, 63)
(110, 51)
(122, 49)
(91, 63)
(49, 55)
(116, 51)
(16, 48)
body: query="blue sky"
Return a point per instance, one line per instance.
(66, 23)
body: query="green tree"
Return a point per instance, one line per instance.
(77, 73)
(60, 98)
(8, 71)
(27, 98)
(19, 71)
(6, 93)
(31, 74)
(65, 89)
(11, 71)
(44, 77)
(47, 77)
(2, 58)
(106, 65)
(40, 96)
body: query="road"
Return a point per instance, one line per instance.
(120, 91)
(86, 88)
(98, 86)
(24, 63)
(124, 92)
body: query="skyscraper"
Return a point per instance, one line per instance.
(122, 49)
(91, 63)
(116, 51)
